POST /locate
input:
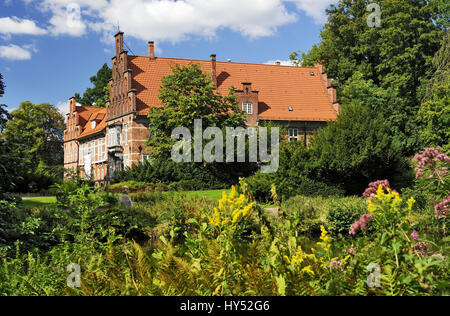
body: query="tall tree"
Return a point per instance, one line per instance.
(36, 133)
(357, 149)
(186, 95)
(396, 56)
(4, 114)
(434, 113)
(99, 94)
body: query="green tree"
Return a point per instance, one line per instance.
(10, 164)
(397, 56)
(36, 133)
(4, 115)
(186, 95)
(358, 148)
(99, 94)
(434, 113)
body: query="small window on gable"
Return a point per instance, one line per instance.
(93, 124)
(247, 108)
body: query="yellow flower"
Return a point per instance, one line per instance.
(308, 269)
(411, 202)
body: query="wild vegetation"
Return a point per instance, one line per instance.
(168, 244)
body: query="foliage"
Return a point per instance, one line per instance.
(434, 113)
(397, 56)
(341, 216)
(195, 176)
(186, 95)
(99, 94)
(4, 114)
(168, 244)
(128, 186)
(356, 149)
(34, 139)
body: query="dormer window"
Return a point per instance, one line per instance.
(93, 124)
(247, 108)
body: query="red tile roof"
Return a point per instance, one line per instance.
(90, 114)
(280, 87)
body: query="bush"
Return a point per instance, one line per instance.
(129, 186)
(356, 149)
(188, 175)
(260, 185)
(342, 215)
(147, 197)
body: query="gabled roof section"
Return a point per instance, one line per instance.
(280, 87)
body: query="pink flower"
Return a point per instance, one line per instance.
(335, 264)
(414, 235)
(421, 248)
(360, 224)
(428, 159)
(441, 209)
(438, 255)
(373, 187)
(351, 251)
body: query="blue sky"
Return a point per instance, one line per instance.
(50, 48)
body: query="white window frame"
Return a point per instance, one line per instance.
(247, 107)
(293, 134)
(125, 134)
(125, 161)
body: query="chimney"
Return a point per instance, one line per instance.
(72, 105)
(214, 69)
(151, 50)
(119, 43)
(278, 63)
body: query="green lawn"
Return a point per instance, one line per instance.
(208, 194)
(30, 202)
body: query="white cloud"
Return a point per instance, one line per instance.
(14, 52)
(282, 62)
(170, 20)
(64, 107)
(14, 25)
(314, 8)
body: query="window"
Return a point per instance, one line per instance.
(125, 161)
(91, 149)
(293, 134)
(93, 124)
(81, 152)
(146, 158)
(125, 134)
(100, 149)
(247, 108)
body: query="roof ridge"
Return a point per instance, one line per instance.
(227, 63)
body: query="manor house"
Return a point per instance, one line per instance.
(100, 141)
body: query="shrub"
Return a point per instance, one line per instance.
(128, 186)
(147, 197)
(343, 214)
(198, 175)
(356, 149)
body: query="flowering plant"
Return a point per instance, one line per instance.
(432, 175)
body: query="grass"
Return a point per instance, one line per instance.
(208, 194)
(30, 202)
